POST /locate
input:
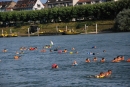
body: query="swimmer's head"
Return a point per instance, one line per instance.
(110, 71)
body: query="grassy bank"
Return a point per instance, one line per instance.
(103, 25)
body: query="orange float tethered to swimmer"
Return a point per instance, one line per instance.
(128, 60)
(32, 48)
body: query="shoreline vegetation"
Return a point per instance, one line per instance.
(70, 28)
(97, 18)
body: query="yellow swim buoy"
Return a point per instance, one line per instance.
(71, 52)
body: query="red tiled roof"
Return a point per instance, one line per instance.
(5, 3)
(54, 1)
(84, 1)
(25, 3)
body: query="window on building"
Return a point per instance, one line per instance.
(84, 3)
(38, 5)
(96, 1)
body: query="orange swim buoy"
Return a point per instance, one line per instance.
(128, 60)
(43, 50)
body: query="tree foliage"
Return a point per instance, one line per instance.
(122, 21)
(99, 11)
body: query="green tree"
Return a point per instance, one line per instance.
(23, 15)
(16, 16)
(74, 12)
(65, 13)
(100, 11)
(54, 14)
(9, 16)
(122, 21)
(43, 15)
(3, 16)
(32, 15)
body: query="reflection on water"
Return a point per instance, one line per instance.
(33, 68)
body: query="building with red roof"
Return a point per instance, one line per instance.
(66, 3)
(28, 5)
(7, 6)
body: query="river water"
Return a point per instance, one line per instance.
(33, 68)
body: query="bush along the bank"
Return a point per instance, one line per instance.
(122, 21)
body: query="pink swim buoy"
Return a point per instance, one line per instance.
(59, 51)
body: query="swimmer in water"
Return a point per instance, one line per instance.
(76, 52)
(94, 47)
(21, 48)
(108, 73)
(118, 58)
(21, 52)
(101, 75)
(56, 49)
(102, 60)
(65, 50)
(17, 52)
(95, 59)
(115, 60)
(87, 60)
(16, 57)
(75, 63)
(122, 58)
(73, 48)
(104, 50)
(43, 50)
(50, 50)
(4, 50)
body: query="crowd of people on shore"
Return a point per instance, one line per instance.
(95, 59)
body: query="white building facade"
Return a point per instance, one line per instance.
(29, 5)
(38, 5)
(60, 3)
(66, 3)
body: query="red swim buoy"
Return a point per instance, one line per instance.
(128, 60)
(54, 66)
